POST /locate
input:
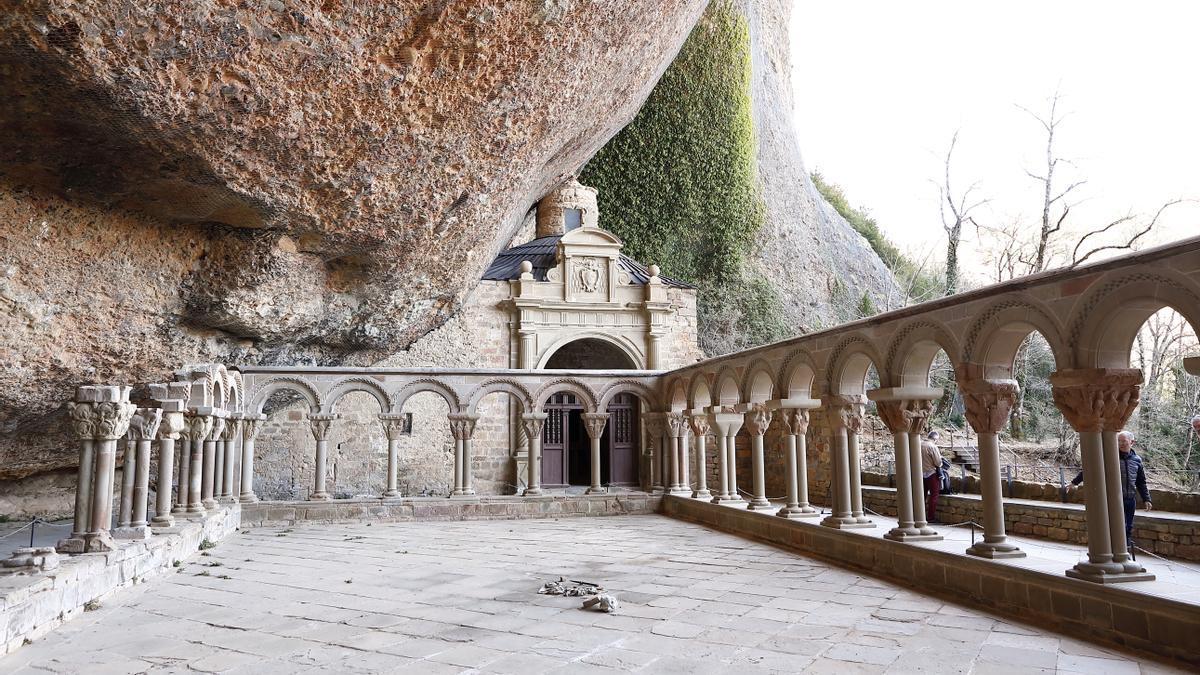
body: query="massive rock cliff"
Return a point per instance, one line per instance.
(819, 264)
(278, 181)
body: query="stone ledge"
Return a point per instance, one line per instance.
(441, 508)
(1122, 616)
(33, 604)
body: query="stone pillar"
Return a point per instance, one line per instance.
(393, 427)
(722, 495)
(728, 422)
(676, 429)
(700, 427)
(208, 486)
(988, 404)
(99, 416)
(233, 434)
(654, 424)
(143, 427)
(795, 426)
(527, 348)
(595, 424)
(532, 423)
(685, 459)
(853, 429)
(185, 460)
(905, 416)
(462, 426)
(218, 480)
(200, 427)
(125, 511)
(1097, 402)
(168, 432)
(320, 425)
(758, 418)
(841, 414)
(251, 424)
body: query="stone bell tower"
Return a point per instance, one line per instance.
(571, 206)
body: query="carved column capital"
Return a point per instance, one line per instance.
(905, 415)
(218, 428)
(595, 423)
(1096, 399)
(676, 424)
(988, 403)
(795, 421)
(101, 413)
(251, 425)
(233, 429)
(758, 418)
(393, 425)
(654, 423)
(700, 425)
(843, 412)
(320, 424)
(143, 425)
(532, 423)
(198, 426)
(462, 425)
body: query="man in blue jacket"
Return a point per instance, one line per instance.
(1133, 481)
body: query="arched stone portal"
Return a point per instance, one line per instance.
(590, 354)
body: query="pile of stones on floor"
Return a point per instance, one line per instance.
(594, 595)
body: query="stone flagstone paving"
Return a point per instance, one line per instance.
(454, 597)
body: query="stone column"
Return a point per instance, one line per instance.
(462, 426)
(853, 429)
(676, 429)
(728, 422)
(143, 427)
(185, 459)
(233, 433)
(1098, 402)
(700, 427)
(685, 459)
(200, 427)
(595, 424)
(99, 416)
(128, 471)
(208, 486)
(218, 481)
(251, 424)
(168, 432)
(988, 405)
(654, 424)
(320, 425)
(532, 423)
(795, 425)
(758, 418)
(393, 426)
(839, 414)
(108, 412)
(905, 417)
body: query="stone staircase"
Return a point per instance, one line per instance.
(965, 454)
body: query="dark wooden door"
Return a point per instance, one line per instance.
(622, 435)
(556, 440)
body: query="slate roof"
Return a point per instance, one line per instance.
(541, 252)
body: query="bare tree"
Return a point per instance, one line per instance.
(1053, 200)
(955, 211)
(1078, 259)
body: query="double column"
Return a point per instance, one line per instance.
(171, 399)
(132, 521)
(758, 419)
(1097, 402)
(595, 423)
(905, 411)
(208, 484)
(199, 422)
(676, 443)
(229, 446)
(700, 427)
(533, 423)
(988, 405)
(795, 429)
(394, 428)
(320, 424)
(462, 426)
(655, 426)
(99, 416)
(843, 419)
(250, 425)
(728, 423)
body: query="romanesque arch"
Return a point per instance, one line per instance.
(912, 351)
(510, 387)
(758, 384)
(417, 386)
(296, 385)
(647, 395)
(699, 395)
(993, 340)
(619, 343)
(356, 383)
(849, 363)
(797, 376)
(575, 387)
(1105, 325)
(727, 388)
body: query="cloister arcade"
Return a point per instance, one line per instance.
(811, 389)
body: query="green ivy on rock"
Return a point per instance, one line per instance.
(679, 184)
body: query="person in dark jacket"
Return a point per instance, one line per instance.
(1133, 481)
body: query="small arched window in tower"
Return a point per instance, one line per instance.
(572, 219)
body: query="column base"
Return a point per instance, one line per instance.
(532, 492)
(1104, 573)
(194, 511)
(798, 512)
(387, 494)
(702, 494)
(161, 522)
(229, 499)
(995, 551)
(463, 496)
(319, 497)
(596, 491)
(846, 522)
(728, 500)
(100, 542)
(758, 504)
(248, 498)
(209, 504)
(178, 509)
(681, 491)
(905, 534)
(131, 532)
(75, 544)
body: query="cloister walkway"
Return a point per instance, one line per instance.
(420, 597)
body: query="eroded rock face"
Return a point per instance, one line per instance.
(820, 265)
(290, 181)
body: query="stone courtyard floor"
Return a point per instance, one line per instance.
(435, 597)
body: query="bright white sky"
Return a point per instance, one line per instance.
(881, 86)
